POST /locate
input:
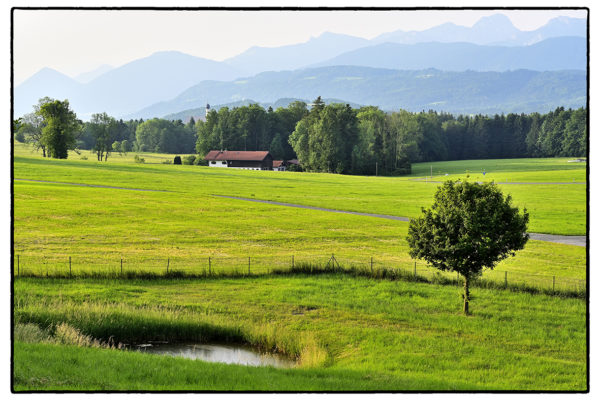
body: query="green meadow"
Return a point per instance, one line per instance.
(346, 332)
(554, 209)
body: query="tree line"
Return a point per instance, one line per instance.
(337, 138)
(103, 134)
(324, 138)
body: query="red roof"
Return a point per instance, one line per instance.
(277, 163)
(216, 155)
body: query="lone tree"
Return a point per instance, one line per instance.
(61, 128)
(469, 227)
(103, 129)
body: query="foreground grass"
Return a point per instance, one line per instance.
(52, 367)
(347, 333)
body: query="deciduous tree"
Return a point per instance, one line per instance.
(469, 227)
(59, 134)
(103, 128)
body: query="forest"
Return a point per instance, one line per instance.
(332, 138)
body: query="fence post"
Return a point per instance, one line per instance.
(292, 261)
(209, 265)
(248, 266)
(168, 261)
(121, 266)
(70, 275)
(371, 265)
(505, 279)
(553, 282)
(415, 269)
(18, 266)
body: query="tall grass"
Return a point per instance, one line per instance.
(408, 334)
(420, 272)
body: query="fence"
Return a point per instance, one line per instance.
(78, 266)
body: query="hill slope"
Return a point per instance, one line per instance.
(259, 59)
(549, 55)
(124, 89)
(457, 92)
(492, 30)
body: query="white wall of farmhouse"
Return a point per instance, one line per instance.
(218, 164)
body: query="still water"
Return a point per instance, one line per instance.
(228, 354)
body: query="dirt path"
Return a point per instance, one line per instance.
(572, 240)
(277, 203)
(94, 186)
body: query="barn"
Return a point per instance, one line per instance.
(279, 165)
(240, 159)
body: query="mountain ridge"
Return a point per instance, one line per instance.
(458, 92)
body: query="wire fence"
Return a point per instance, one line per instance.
(26, 265)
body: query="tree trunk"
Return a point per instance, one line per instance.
(44, 151)
(466, 296)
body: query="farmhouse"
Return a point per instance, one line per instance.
(240, 159)
(279, 165)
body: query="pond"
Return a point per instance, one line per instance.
(228, 354)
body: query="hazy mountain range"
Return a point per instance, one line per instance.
(125, 89)
(493, 30)
(163, 82)
(549, 55)
(457, 92)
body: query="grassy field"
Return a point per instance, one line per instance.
(347, 334)
(340, 327)
(97, 227)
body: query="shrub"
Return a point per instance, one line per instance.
(201, 161)
(189, 160)
(138, 159)
(19, 136)
(168, 162)
(176, 160)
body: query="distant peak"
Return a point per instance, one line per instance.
(496, 20)
(564, 20)
(47, 70)
(166, 52)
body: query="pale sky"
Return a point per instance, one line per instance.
(77, 41)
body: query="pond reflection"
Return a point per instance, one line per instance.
(228, 354)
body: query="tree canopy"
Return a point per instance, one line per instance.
(469, 227)
(325, 138)
(60, 129)
(103, 128)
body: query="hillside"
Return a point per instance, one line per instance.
(457, 92)
(549, 55)
(124, 89)
(492, 30)
(259, 59)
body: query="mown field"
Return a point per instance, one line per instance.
(178, 224)
(183, 226)
(554, 209)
